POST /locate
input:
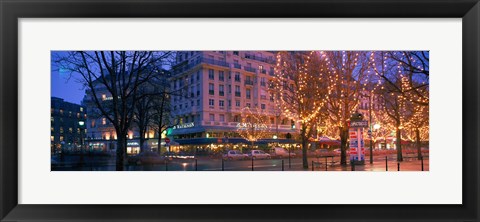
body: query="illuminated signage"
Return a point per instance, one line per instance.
(185, 125)
(250, 125)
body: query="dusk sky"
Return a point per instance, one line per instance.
(68, 89)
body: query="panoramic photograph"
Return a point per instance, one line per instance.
(239, 111)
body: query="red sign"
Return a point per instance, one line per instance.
(219, 140)
(167, 140)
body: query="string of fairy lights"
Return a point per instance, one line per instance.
(323, 88)
(253, 125)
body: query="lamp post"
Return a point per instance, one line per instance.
(376, 127)
(81, 123)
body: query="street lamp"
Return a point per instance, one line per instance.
(81, 123)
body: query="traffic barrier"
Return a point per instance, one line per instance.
(421, 158)
(252, 162)
(386, 163)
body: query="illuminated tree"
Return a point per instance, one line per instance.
(404, 91)
(299, 87)
(253, 125)
(417, 122)
(348, 76)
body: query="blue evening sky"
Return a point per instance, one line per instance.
(68, 89)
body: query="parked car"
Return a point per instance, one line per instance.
(258, 154)
(234, 155)
(169, 155)
(280, 152)
(184, 155)
(147, 157)
(323, 152)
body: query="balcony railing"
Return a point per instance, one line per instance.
(263, 71)
(238, 94)
(261, 59)
(182, 68)
(237, 66)
(249, 69)
(249, 82)
(215, 62)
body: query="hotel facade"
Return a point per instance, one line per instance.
(219, 86)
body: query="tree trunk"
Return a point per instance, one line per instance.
(142, 142)
(121, 146)
(304, 146)
(160, 125)
(418, 143)
(343, 145)
(399, 145)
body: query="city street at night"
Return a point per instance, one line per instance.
(211, 164)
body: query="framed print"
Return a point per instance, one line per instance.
(224, 110)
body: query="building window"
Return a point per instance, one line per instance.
(211, 74)
(263, 94)
(61, 112)
(93, 123)
(78, 115)
(221, 103)
(212, 117)
(52, 129)
(236, 118)
(237, 103)
(61, 138)
(235, 53)
(229, 103)
(52, 138)
(222, 118)
(181, 106)
(78, 130)
(70, 130)
(221, 75)
(81, 109)
(104, 97)
(248, 93)
(192, 79)
(198, 102)
(61, 129)
(262, 106)
(211, 89)
(191, 103)
(229, 89)
(221, 91)
(263, 81)
(211, 102)
(237, 77)
(104, 121)
(52, 119)
(237, 91)
(198, 75)
(248, 105)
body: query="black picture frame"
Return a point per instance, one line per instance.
(11, 11)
